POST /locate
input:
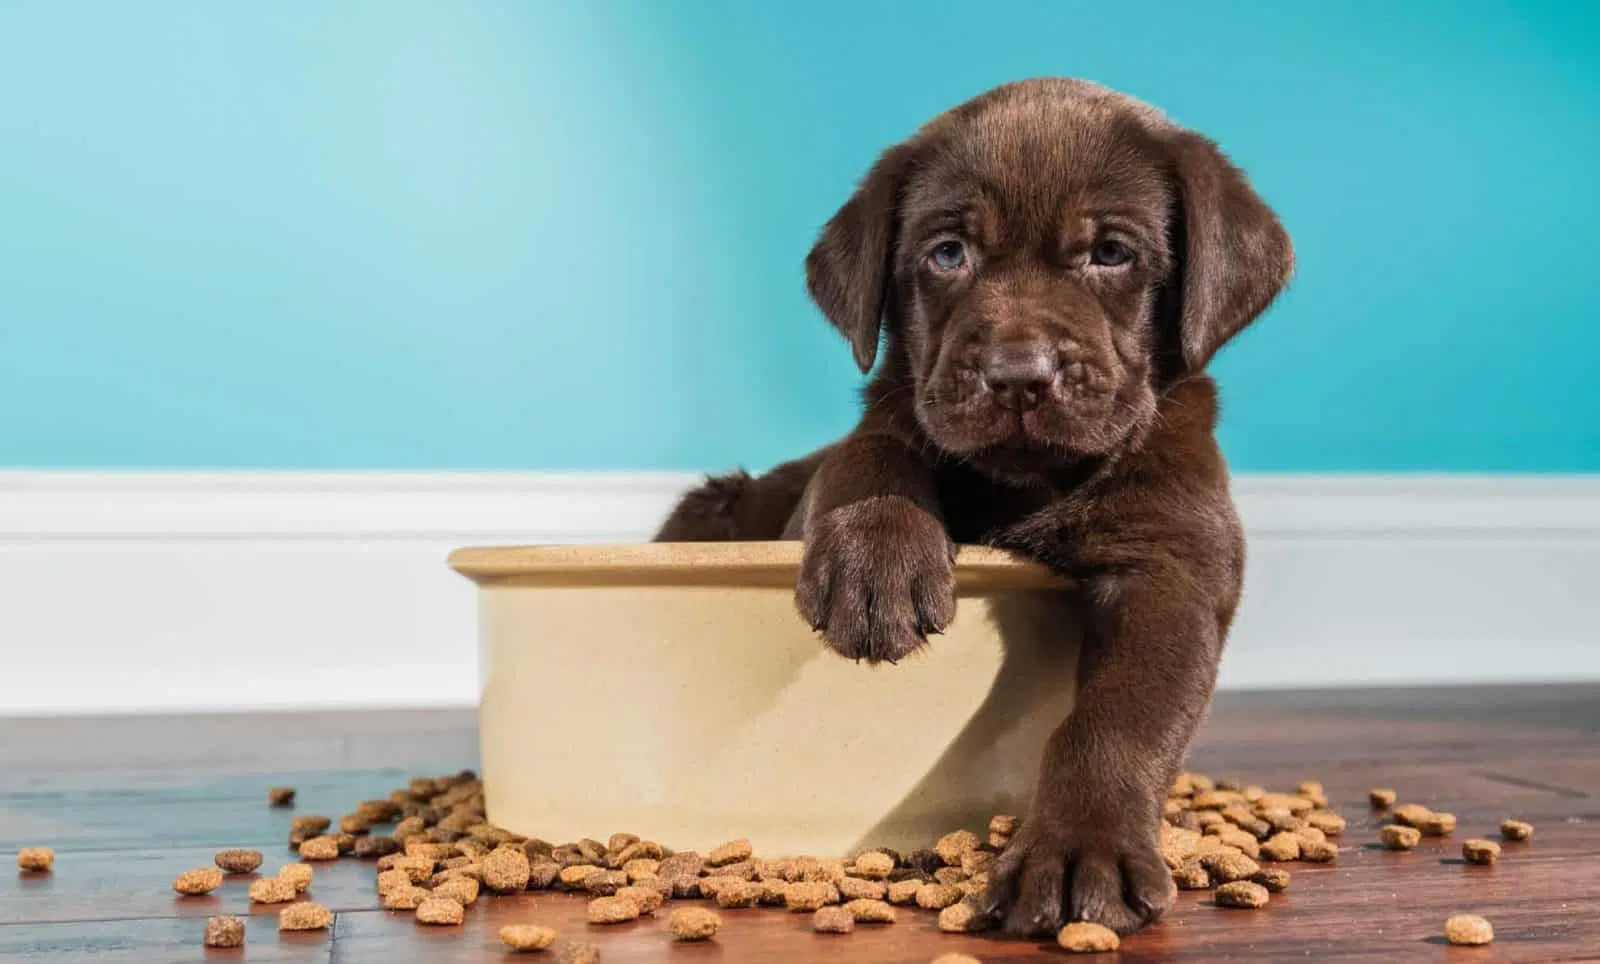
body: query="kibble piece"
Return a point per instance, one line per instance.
(36, 859)
(870, 911)
(320, 848)
(641, 867)
(1478, 851)
(854, 888)
(960, 919)
(605, 883)
(375, 845)
(833, 920)
(527, 937)
(224, 932)
(1312, 834)
(613, 910)
(1206, 819)
(731, 852)
(1283, 846)
(1397, 837)
(1191, 876)
(506, 870)
(1004, 825)
(462, 890)
(378, 811)
(1086, 937)
(238, 861)
(440, 910)
(280, 796)
(1318, 852)
(354, 823)
(1275, 879)
(903, 891)
(572, 877)
(202, 880)
(738, 893)
(1412, 814)
(686, 862)
(406, 897)
(1243, 842)
(299, 875)
(693, 924)
(873, 865)
(937, 896)
(617, 842)
(648, 899)
(304, 916)
(310, 824)
(1242, 893)
(807, 895)
(1468, 930)
(578, 954)
(1438, 824)
(1327, 821)
(1225, 867)
(273, 890)
(542, 874)
(1381, 798)
(1515, 829)
(953, 846)
(685, 887)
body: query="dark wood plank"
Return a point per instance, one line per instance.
(162, 941)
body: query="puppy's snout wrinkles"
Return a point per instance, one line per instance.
(1019, 374)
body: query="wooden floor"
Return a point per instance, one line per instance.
(130, 803)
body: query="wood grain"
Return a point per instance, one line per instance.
(122, 834)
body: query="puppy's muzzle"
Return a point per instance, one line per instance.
(1019, 375)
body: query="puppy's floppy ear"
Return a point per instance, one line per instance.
(848, 270)
(1235, 257)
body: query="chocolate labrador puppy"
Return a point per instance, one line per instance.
(1051, 265)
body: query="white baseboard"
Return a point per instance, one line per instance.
(159, 592)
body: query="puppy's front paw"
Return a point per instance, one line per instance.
(876, 578)
(1051, 874)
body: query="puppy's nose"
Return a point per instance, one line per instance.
(1019, 375)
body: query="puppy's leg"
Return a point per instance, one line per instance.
(877, 575)
(1089, 847)
(738, 507)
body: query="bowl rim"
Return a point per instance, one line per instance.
(716, 564)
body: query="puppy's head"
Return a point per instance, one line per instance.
(1044, 257)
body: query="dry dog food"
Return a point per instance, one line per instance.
(224, 932)
(874, 865)
(238, 861)
(604, 883)
(280, 796)
(731, 852)
(375, 845)
(320, 848)
(506, 870)
(953, 846)
(35, 859)
(1478, 851)
(938, 896)
(1382, 799)
(578, 954)
(298, 874)
(903, 891)
(854, 888)
(693, 924)
(462, 890)
(1084, 937)
(959, 919)
(648, 898)
(440, 910)
(1242, 893)
(1227, 867)
(737, 893)
(527, 937)
(1275, 879)
(1468, 930)
(406, 897)
(273, 890)
(1515, 829)
(310, 824)
(1318, 851)
(1191, 876)
(1397, 837)
(1411, 814)
(304, 916)
(612, 910)
(1283, 846)
(1437, 824)
(870, 911)
(202, 880)
(833, 920)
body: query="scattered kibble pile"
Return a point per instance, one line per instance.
(442, 853)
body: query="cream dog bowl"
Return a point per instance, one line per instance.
(672, 691)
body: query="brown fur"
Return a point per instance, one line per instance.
(1041, 394)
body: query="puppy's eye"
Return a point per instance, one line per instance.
(1110, 254)
(949, 256)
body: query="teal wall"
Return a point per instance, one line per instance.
(558, 234)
